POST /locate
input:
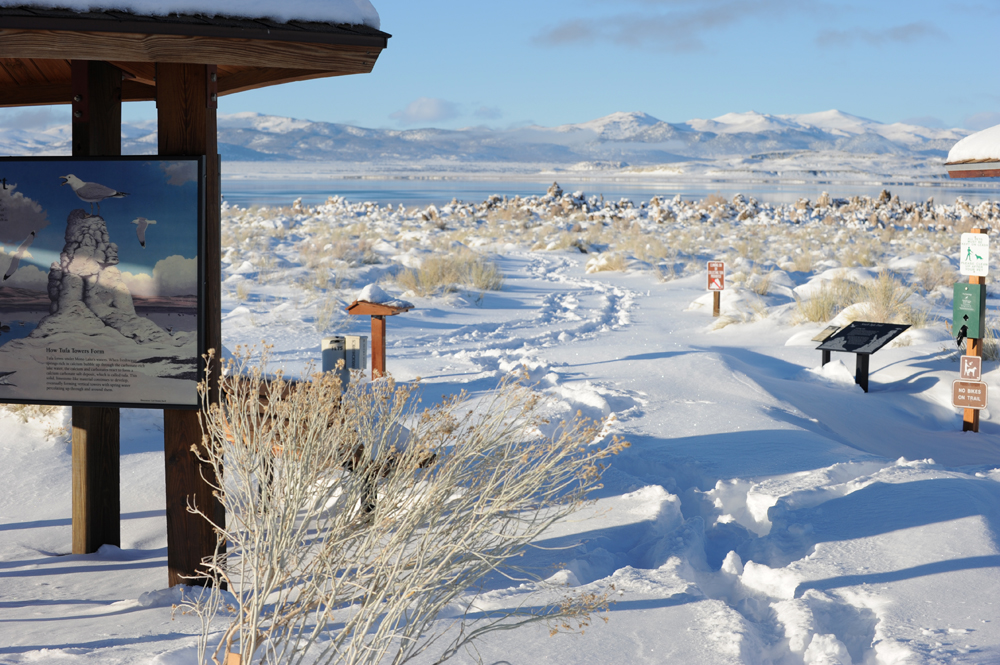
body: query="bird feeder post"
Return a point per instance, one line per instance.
(378, 312)
(378, 346)
(97, 121)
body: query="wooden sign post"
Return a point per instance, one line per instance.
(716, 283)
(973, 261)
(378, 312)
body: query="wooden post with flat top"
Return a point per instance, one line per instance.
(378, 346)
(378, 312)
(186, 123)
(973, 347)
(97, 127)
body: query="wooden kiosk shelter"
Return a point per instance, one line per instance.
(96, 60)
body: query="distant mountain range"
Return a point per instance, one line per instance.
(616, 141)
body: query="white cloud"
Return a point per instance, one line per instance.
(179, 173)
(173, 276)
(20, 216)
(426, 110)
(26, 276)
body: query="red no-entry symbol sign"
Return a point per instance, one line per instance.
(716, 275)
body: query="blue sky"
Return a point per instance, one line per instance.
(502, 64)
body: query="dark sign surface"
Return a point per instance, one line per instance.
(862, 337)
(100, 296)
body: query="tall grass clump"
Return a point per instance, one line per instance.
(827, 301)
(445, 274)
(353, 539)
(884, 301)
(934, 273)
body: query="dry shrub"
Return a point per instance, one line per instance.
(934, 273)
(349, 536)
(861, 252)
(712, 201)
(802, 261)
(444, 274)
(885, 301)
(608, 262)
(760, 283)
(828, 301)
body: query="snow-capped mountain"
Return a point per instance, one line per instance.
(635, 139)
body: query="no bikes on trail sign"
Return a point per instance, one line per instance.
(716, 276)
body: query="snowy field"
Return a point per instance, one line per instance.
(768, 511)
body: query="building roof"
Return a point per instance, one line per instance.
(38, 44)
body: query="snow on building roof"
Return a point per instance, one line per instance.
(979, 147)
(350, 12)
(976, 156)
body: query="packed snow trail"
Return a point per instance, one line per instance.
(762, 514)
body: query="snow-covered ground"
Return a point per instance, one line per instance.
(768, 510)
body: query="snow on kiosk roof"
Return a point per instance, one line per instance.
(976, 156)
(293, 41)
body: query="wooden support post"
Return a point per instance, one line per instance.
(861, 370)
(186, 124)
(378, 346)
(97, 123)
(973, 347)
(826, 356)
(716, 302)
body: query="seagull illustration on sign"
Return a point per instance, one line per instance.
(91, 192)
(140, 229)
(18, 255)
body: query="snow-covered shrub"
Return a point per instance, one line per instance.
(352, 539)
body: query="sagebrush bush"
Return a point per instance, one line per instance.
(447, 273)
(348, 535)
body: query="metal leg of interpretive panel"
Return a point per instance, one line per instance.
(186, 125)
(97, 122)
(861, 370)
(826, 356)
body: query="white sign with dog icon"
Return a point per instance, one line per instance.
(975, 257)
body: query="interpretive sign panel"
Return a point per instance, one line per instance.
(716, 276)
(100, 300)
(971, 368)
(862, 337)
(969, 394)
(975, 257)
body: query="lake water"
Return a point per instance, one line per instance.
(438, 191)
